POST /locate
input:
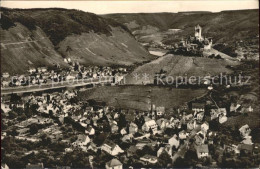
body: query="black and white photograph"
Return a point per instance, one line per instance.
(129, 84)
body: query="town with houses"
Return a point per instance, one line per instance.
(49, 120)
(60, 125)
(112, 137)
(42, 75)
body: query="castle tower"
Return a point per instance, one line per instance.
(198, 31)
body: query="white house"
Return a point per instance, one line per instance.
(150, 124)
(5, 108)
(198, 107)
(160, 111)
(4, 166)
(216, 112)
(167, 149)
(191, 124)
(32, 70)
(205, 126)
(123, 131)
(42, 69)
(5, 75)
(5, 83)
(222, 111)
(114, 128)
(202, 151)
(250, 109)
(245, 130)
(111, 148)
(234, 107)
(127, 138)
(119, 79)
(114, 164)
(199, 138)
(200, 116)
(90, 130)
(82, 140)
(133, 128)
(149, 158)
(182, 135)
(187, 117)
(222, 118)
(162, 123)
(247, 140)
(174, 141)
(69, 77)
(67, 150)
(232, 148)
(213, 114)
(31, 166)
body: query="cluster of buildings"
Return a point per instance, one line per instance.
(191, 46)
(161, 130)
(42, 75)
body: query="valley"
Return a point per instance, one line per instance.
(129, 90)
(235, 31)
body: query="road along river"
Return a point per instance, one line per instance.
(56, 85)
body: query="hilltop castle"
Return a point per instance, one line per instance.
(207, 42)
(194, 45)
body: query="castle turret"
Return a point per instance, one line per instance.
(198, 31)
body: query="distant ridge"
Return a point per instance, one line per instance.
(194, 12)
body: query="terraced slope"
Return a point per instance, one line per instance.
(179, 66)
(44, 37)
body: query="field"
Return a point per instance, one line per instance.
(141, 97)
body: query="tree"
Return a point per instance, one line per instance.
(3, 125)
(122, 121)
(13, 132)
(164, 159)
(148, 150)
(180, 163)
(74, 100)
(15, 98)
(100, 139)
(6, 22)
(45, 140)
(207, 162)
(34, 128)
(22, 117)
(12, 114)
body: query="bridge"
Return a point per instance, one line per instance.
(56, 85)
